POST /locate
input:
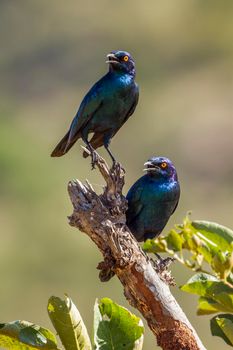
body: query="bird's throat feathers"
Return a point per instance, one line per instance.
(124, 73)
(157, 177)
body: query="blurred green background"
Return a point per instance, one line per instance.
(51, 53)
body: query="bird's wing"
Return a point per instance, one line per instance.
(89, 106)
(177, 199)
(132, 108)
(98, 138)
(135, 204)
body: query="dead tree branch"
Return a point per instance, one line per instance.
(102, 218)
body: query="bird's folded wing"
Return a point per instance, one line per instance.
(89, 106)
(132, 108)
(135, 204)
(178, 197)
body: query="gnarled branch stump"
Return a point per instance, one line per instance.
(102, 218)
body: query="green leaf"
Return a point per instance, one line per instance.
(222, 263)
(207, 306)
(24, 335)
(208, 286)
(174, 241)
(206, 251)
(199, 283)
(68, 323)
(215, 234)
(222, 326)
(116, 328)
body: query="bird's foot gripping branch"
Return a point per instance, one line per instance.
(102, 218)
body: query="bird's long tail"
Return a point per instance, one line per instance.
(63, 146)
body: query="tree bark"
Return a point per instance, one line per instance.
(102, 218)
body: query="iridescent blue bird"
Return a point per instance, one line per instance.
(105, 108)
(153, 199)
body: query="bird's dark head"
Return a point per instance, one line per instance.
(121, 61)
(160, 167)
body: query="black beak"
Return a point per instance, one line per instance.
(112, 59)
(150, 166)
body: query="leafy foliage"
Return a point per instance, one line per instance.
(68, 323)
(210, 253)
(205, 241)
(222, 326)
(114, 328)
(212, 289)
(24, 335)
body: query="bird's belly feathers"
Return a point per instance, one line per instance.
(156, 216)
(111, 116)
(151, 220)
(157, 202)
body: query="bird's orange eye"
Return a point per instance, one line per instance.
(164, 165)
(126, 58)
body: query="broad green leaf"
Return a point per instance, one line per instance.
(23, 335)
(222, 326)
(207, 251)
(196, 241)
(221, 263)
(224, 298)
(116, 328)
(68, 323)
(199, 283)
(215, 234)
(208, 286)
(207, 306)
(174, 241)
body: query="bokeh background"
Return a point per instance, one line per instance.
(51, 53)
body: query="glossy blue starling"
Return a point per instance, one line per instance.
(153, 199)
(105, 108)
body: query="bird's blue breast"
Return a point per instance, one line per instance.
(118, 94)
(151, 202)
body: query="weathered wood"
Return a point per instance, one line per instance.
(102, 218)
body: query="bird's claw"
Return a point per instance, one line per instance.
(163, 264)
(116, 166)
(94, 159)
(161, 267)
